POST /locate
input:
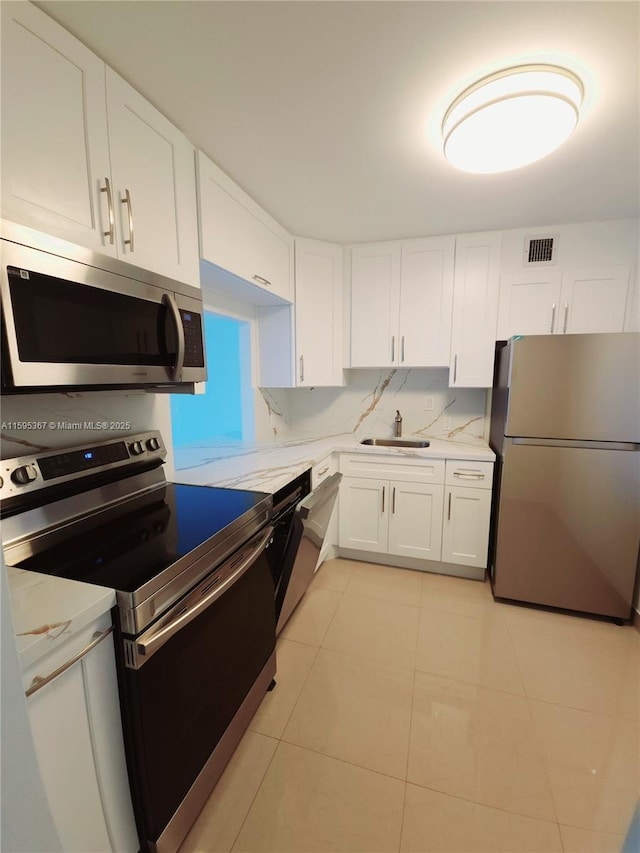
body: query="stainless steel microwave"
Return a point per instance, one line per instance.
(73, 318)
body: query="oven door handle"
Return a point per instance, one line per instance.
(152, 640)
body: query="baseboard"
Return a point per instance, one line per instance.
(434, 566)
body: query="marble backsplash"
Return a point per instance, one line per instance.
(36, 422)
(367, 406)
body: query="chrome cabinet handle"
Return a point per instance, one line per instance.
(111, 233)
(553, 317)
(41, 681)
(168, 299)
(262, 280)
(127, 200)
(455, 367)
(469, 475)
(301, 368)
(393, 501)
(153, 640)
(449, 509)
(384, 488)
(566, 318)
(324, 471)
(393, 348)
(402, 348)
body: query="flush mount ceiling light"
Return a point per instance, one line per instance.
(511, 118)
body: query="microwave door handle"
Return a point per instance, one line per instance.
(169, 300)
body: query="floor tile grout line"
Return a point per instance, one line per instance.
(342, 760)
(304, 681)
(489, 806)
(253, 799)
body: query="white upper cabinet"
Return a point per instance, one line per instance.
(594, 300)
(475, 309)
(426, 301)
(238, 236)
(553, 301)
(301, 345)
(529, 303)
(153, 185)
(88, 159)
(401, 302)
(55, 150)
(375, 304)
(318, 313)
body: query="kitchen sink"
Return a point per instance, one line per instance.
(395, 442)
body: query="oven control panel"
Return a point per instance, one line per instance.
(32, 472)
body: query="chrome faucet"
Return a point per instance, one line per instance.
(398, 424)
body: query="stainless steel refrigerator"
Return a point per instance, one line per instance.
(565, 426)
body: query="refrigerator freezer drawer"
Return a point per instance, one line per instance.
(568, 528)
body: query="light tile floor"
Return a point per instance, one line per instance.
(414, 713)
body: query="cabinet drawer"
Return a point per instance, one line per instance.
(406, 469)
(323, 470)
(472, 474)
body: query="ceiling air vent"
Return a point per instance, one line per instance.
(540, 250)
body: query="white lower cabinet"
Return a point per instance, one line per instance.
(415, 520)
(388, 516)
(467, 515)
(75, 721)
(422, 514)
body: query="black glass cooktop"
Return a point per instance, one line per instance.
(147, 535)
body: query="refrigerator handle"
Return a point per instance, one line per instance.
(553, 317)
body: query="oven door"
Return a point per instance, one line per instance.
(189, 686)
(70, 324)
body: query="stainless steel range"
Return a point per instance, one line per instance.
(195, 618)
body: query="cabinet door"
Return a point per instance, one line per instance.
(318, 312)
(465, 531)
(62, 737)
(415, 521)
(426, 302)
(594, 300)
(238, 236)
(529, 303)
(103, 709)
(375, 304)
(153, 162)
(55, 153)
(364, 506)
(475, 310)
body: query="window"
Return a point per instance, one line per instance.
(225, 411)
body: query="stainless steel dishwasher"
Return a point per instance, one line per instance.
(308, 530)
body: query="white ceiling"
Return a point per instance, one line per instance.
(327, 113)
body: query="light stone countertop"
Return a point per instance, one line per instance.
(268, 467)
(47, 611)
